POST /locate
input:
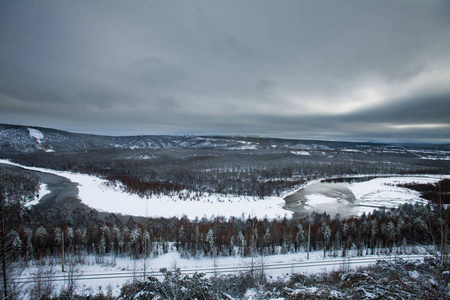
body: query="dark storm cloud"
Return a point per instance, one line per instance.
(422, 109)
(304, 69)
(422, 117)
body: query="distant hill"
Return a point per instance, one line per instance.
(28, 139)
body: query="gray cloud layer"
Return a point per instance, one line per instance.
(349, 70)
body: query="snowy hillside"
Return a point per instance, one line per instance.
(30, 139)
(27, 139)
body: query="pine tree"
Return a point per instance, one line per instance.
(300, 237)
(326, 234)
(70, 237)
(135, 237)
(210, 241)
(242, 243)
(102, 245)
(390, 232)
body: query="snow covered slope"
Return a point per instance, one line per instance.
(27, 139)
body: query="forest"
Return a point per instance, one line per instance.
(381, 231)
(33, 235)
(259, 173)
(36, 233)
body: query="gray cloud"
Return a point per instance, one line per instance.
(422, 109)
(351, 70)
(265, 86)
(231, 48)
(156, 73)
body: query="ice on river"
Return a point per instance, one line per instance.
(100, 194)
(359, 197)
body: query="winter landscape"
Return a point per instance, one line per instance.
(233, 150)
(119, 228)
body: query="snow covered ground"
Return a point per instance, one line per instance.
(380, 192)
(108, 274)
(344, 198)
(38, 137)
(43, 190)
(99, 194)
(357, 198)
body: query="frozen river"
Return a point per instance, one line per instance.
(355, 195)
(104, 196)
(346, 196)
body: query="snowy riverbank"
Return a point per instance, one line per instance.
(101, 195)
(344, 198)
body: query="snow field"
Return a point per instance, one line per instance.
(383, 192)
(369, 195)
(119, 270)
(101, 195)
(36, 134)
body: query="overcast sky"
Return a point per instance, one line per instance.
(337, 70)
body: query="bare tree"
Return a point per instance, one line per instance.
(73, 272)
(10, 246)
(42, 283)
(3, 241)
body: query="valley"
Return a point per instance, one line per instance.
(123, 204)
(68, 189)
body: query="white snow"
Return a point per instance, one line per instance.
(380, 192)
(319, 199)
(362, 197)
(43, 190)
(275, 267)
(96, 193)
(370, 195)
(303, 153)
(99, 194)
(432, 154)
(36, 134)
(351, 150)
(414, 274)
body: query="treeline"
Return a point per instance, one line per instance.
(245, 236)
(31, 234)
(34, 233)
(245, 172)
(437, 193)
